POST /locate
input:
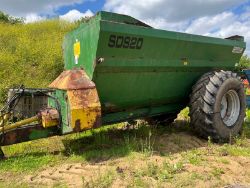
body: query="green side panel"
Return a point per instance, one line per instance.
(158, 71)
(87, 34)
(61, 96)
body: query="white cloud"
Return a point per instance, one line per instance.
(33, 18)
(210, 17)
(70, 16)
(207, 24)
(222, 25)
(74, 15)
(161, 23)
(22, 8)
(171, 10)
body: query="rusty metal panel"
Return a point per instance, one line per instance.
(84, 105)
(27, 133)
(72, 79)
(85, 109)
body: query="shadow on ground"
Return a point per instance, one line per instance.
(116, 142)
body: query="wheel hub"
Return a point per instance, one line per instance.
(230, 108)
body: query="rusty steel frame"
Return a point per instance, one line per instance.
(27, 133)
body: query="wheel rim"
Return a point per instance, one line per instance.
(230, 108)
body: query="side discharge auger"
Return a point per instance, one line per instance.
(118, 69)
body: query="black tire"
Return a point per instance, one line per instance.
(217, 106)
(162, 119)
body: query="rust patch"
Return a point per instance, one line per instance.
(23, 134)
(72, 79)
(77, 127)
(84, 107)
(83, 98)
(98, 122)
(50, 117)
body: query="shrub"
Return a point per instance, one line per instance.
(31, 54)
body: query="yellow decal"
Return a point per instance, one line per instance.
(185, 63)
(77, 49)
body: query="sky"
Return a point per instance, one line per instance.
(218, 18)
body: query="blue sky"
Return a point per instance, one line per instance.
(94, 6)
(219, 18)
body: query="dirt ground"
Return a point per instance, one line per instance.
(236, 172)
(213, 169)
(129, 157)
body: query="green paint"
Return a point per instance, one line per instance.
(138, 113)
(62, 99)
(158, 75)
(37, 134)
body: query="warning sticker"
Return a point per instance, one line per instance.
(77, 51)
(77, 48)
(237, 50)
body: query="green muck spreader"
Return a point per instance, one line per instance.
(119, 69)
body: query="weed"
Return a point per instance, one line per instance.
(224, 161)
(193, 157)
(184, 114)
(241, 141)
(195, 176)
(162, 172)
(146, 145)
(101, 181)
(217, 172)
(234, 150)
(209, 142)
(139, 182)
(173, 168)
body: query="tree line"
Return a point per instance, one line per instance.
(5, 18)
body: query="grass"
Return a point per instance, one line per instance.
(28, 163)
(217, 172)
(101, 181)
(33, 50)
(93, 146)
(194, 157)
(157, 156)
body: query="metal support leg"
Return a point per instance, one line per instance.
(1, 154)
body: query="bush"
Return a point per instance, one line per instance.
(244, 62)
(31, 54)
